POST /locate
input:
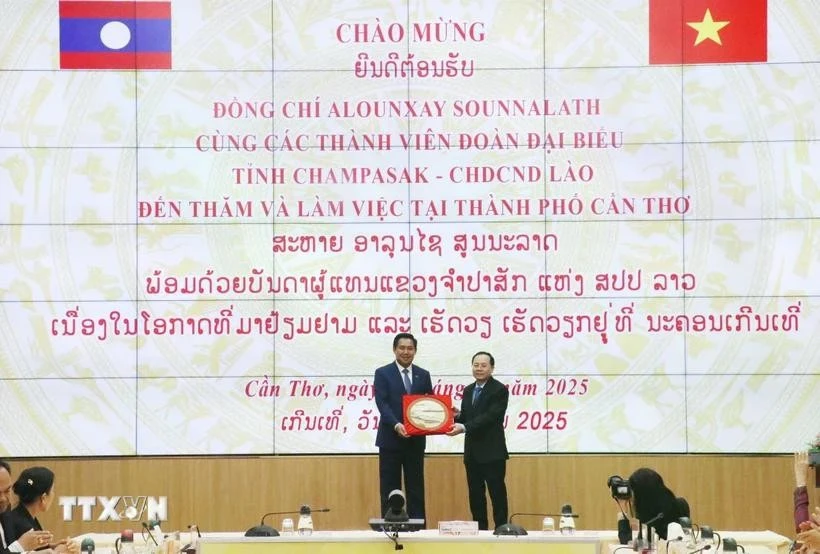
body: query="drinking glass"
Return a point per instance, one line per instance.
(548, 525)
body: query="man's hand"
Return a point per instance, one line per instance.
(810, 539)
(67, 546)
(457, 429)
(399, 428)
(801, 468)
(32, 540)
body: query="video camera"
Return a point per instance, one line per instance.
(619, 487)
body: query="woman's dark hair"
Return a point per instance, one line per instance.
(33, 482)
(683, 507)
(652, 497)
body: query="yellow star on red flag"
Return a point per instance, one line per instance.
(708, 28)
(707, 31)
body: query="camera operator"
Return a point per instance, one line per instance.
(646, 496)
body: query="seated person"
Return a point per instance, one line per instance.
(651, 497)
(30, 540)
(35, 489)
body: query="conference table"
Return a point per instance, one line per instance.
(431, 542)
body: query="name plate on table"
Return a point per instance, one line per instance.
(427, 414)
(457, 528)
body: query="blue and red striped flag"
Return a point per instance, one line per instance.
(130, 34)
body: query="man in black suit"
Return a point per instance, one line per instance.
(397, 450)
(481, 418)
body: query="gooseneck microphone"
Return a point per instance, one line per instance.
(263, 530)
(511, 528)
(568, 514)
(147, 527)
(653, 520)
(291, 513)
(190, 548)
(639, 540)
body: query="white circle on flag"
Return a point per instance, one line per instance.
(115, 35)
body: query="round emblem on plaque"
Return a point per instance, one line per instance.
(428, 414)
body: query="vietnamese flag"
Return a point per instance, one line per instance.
(707, 31)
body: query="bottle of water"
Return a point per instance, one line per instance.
(305, 524)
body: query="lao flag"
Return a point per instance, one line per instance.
(707, 31)
(129, 34)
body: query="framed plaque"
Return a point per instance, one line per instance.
(427, 414)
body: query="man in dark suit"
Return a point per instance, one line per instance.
(481, 418)
(397, 450)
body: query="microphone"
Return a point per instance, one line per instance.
(305, 524)
(650, 522)
(511, 528)
(639, 540)
(701, 549)
(707, 533)
(654, 519)
(263, 530)
(543, 514)
(730, 545)
(150, 534)
(672, 544)
(87, 545)
(688, 532)
(567, 521)
(649, 529)
(190, 548)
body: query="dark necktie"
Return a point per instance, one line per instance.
(407, 384)
(476, 393)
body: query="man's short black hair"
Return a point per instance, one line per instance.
(482, 353)
(5, 465)
(401, 336)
